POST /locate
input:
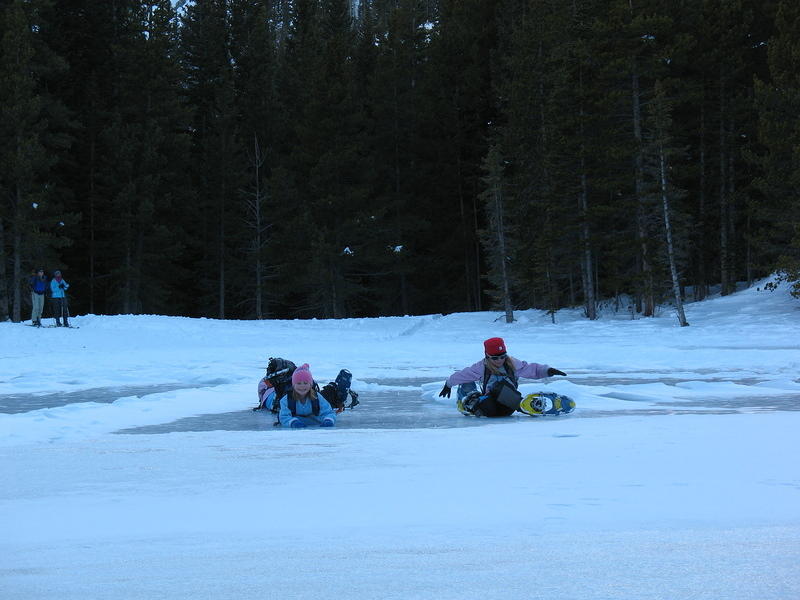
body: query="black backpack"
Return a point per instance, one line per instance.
(279, 375)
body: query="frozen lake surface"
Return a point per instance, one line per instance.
(397, 409)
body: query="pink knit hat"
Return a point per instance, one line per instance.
(302, 374)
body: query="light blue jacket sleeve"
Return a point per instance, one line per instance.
(284, 414)
(326, 411)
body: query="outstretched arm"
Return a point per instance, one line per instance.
(530, 370)
(471, 373)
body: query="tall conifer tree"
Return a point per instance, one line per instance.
(31, 217)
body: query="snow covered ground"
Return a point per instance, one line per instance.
(132, 466)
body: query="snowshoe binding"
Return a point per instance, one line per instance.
(468, 404)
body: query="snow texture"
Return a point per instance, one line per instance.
(133, 467)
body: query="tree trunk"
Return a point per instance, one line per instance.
(3, 275)
(478, 291)
(16, 314)
(465, 241)
(257, 226)
(731, 186)
(128, 270)
(396, 125)
(648, 300)
(676, 288)
(221, 250)
(126, 285)
(136, 275)
(724, 207)
(16, 257)
(748, 258)
(92, 239)
(501, 245)
(586, 262)
(701, 285)
(551, 289)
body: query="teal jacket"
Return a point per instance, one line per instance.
(55, 288)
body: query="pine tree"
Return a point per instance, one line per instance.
(329, 187)
(86, 39)
(495, 239)
(142, 165)
(30, 213)
(662, 151)
(732, 48)
(778, 100)
(255, 54)
(398, 106)
(551, 132)
(458, 111)
(218, 150)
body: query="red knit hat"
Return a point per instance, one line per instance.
(302, 374)
(494, 346)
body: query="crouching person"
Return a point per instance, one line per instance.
(489, 387)
(302, 405)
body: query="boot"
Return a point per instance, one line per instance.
(468, 405)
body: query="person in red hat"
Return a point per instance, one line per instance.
(498, 374)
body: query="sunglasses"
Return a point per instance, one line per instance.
(497, 356)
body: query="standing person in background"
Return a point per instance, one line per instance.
(38, 285)
(58, 292)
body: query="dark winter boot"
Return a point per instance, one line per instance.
(468, 405)
(343, 380)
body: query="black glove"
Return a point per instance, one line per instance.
(551, 371)
(445, 393)
(61, 285)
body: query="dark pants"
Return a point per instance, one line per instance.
(60, 309)
(489, 406)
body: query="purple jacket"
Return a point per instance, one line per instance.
(476, 372)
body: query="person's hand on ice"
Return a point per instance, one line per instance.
(551, 371)
(298, 424)
(326, 423)
(445, 393)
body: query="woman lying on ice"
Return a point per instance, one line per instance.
(498, 374)
(302, 405)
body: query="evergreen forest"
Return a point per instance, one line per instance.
(249, 159)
